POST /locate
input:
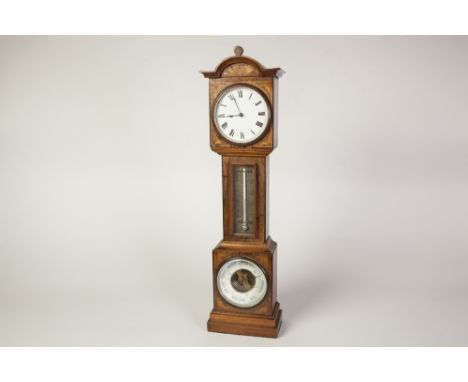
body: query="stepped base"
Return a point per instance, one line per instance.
(245, 324)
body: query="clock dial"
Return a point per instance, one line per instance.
(242, 283)
(241, 114)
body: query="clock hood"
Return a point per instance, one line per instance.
(241, 66)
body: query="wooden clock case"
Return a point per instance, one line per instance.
(264, 319)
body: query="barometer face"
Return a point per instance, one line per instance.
(241, 114)
(242, 283)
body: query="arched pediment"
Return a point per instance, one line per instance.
(241, 66)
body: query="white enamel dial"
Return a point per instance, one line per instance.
(242, 283)
(241, 114)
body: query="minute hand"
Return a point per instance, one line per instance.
(240, 113)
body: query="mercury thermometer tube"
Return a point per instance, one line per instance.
(244, 200)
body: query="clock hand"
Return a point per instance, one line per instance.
(230, 115)
(240, 113)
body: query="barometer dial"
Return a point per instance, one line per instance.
(242, 283)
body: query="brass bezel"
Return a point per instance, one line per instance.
(214, 111)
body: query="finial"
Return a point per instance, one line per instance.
(238, 50)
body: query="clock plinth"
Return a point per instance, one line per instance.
(264, 318)
(243, 110)
(247, 325)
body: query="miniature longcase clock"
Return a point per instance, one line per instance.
(243, 99)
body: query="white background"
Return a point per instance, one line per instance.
(110, 198)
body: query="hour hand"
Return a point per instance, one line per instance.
(230, 115)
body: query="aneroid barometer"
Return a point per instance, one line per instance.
(243, 98)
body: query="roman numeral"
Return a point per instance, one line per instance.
(239, 92)
(250, 96)
(259, 124)
(253, 132)
(221, 116)
(224, 125)
(258, 103)
(222, 105)
(231, 97)
(259, 113)
(231, 133)
(242, 135)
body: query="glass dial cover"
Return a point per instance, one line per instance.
(242, 283)
(241, 114)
